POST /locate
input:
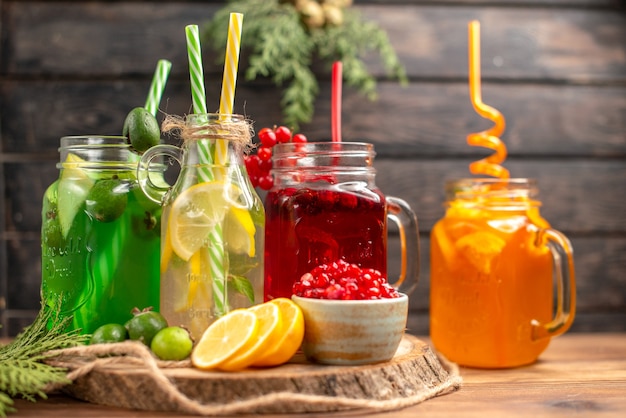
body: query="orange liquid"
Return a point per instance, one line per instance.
(488, 282)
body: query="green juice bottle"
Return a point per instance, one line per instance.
(100, 236)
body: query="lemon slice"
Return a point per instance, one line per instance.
(480, 248)
(224, 338)
(291, 335)
(74, 186)
(239, 231)
(269, 331)
(197, 211)
(194, 215)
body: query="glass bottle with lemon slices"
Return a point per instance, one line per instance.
(494, 263)
(213, 223)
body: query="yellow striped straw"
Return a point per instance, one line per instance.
(229, 80)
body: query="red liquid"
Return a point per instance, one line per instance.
(307, 227)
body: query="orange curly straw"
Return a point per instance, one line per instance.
(489, 166)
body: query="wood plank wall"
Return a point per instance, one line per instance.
(556, 69)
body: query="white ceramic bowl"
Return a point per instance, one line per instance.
(352, 332)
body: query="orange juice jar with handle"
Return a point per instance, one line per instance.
(502, 280)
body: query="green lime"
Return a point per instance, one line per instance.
(107, 199)
(142, 129)
(109, 333)
(172, 343)
(144, 325)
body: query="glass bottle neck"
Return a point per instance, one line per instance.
(492, 194)
(328, 162)
(97, 152)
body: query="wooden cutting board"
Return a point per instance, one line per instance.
(413, 375)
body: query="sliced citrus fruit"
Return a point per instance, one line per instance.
(239, 231)
(166, 251)
(291, 335)
(194, 215)
(480, 248)
(195, 289)
(269, 331)
(236, 331)
(74, 186)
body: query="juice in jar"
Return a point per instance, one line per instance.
(100, 241)
(324, 206)
(322, 223)
(491, 281)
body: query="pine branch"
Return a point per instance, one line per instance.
(22, 372)
(282, 49)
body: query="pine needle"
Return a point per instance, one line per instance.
(22, 371)
(282, 49)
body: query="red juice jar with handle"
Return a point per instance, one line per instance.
(325, 206)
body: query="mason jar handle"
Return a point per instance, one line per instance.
(153, 191)
(399, 212)
(564, 276)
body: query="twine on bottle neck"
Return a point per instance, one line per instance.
(237, 132)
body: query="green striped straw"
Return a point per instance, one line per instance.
(216, 249)
(161, 73)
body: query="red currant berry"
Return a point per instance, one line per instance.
(266, 182)
(267, 137)
(299, 139)
(283, 134)
(254, 180)
(264, 153)
(265, 166)
(252, 164)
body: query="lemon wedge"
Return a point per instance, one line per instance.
(74, 186)
(239, 231)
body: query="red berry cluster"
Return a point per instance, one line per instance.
(259, 165)
(345, 281)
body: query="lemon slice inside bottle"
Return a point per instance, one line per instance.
(239, 231)
(74, 186)
(198, 210)
(194, 216)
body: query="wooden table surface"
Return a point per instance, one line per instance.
(578, 375)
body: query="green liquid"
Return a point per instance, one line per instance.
(102, 269)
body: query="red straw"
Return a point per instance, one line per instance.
(336, 102)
